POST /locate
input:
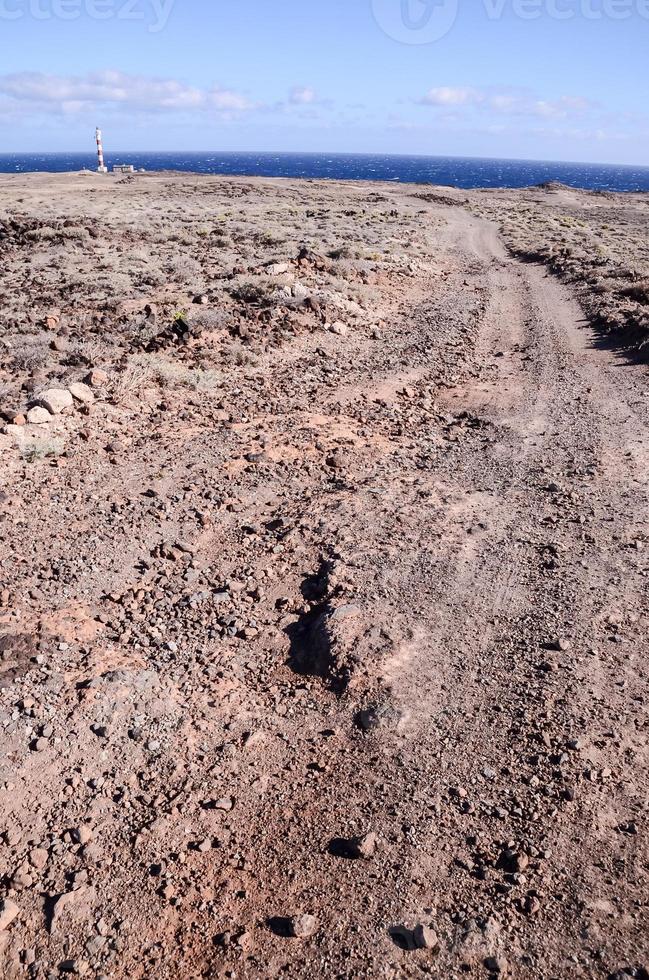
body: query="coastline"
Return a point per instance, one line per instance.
(466, 172)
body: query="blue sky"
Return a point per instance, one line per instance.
(543, 79)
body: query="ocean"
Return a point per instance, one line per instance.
(451, 171)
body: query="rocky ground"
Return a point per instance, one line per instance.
(323, 580)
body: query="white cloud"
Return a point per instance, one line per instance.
(227, 101)
(302, 95)
(563, 108)
(36, 91)
(506, 101)
(452, 96)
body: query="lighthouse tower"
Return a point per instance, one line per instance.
(102, 168)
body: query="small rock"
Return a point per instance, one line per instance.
(38, 415)
(513, 862)
(82, 834)
(424, 937)
(8, 912)
(38, 858)
(575, 744)
(628, 828)
(226, 803)
(340, 329)
(56, 400)
(363, 847)
(13, 417)
(79, 967)
(303, 926)
(96, 378)
(95, 944)
(562, 644)
(497, 964)
(531, 905)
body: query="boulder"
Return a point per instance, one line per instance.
(38, 415)
(56, 400)
(278, 268)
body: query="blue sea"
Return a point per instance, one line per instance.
(462, 172)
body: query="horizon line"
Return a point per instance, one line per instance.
(364, 153)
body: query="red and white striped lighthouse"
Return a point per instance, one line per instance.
(102, 168)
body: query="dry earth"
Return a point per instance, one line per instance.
(323, 556)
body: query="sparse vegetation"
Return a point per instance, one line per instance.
(41, 448)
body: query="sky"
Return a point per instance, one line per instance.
(529, 79)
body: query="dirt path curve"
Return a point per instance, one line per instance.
(502, 752)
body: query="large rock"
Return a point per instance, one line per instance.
(38, 415)
(56, 400)
(278, 268)
(81, 393)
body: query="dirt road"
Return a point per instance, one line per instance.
(504, 770)
(449, 652)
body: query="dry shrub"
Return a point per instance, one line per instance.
(143, 370)
(136, 375)
(89, 351)
(253, 292)
(183, 268)
(171, 373)
(235, 354)
(208, 319)
(639, 291)
(342, 252)
(32, 353)
(41, 447)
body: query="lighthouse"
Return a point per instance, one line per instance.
(102, 168)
